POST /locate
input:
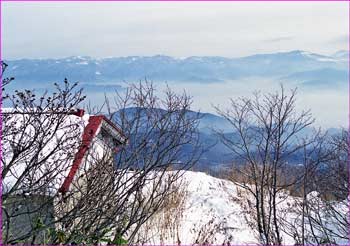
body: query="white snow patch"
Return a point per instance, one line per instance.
(318, 57)
(82, 63)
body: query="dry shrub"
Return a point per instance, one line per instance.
(164, 226)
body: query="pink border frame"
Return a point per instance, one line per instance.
(348, 166)
(174, 1)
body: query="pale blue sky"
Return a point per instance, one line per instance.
(104, 29)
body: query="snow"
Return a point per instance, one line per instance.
(209, 198)
(60, 140)
(318, 57)
(312, 195)
(82, 63)
(217, 207)
(326, 59)
(196, 58)
(58, 164)
(209, 207)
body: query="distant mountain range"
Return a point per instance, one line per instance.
(303, 67)
(207, 122)
(216, 156)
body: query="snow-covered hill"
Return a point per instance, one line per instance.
(214, 211)
(213, 205)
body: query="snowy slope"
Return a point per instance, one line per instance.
(215, 212)
(211, 213)
(213, 199)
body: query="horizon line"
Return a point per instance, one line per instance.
(175, 57)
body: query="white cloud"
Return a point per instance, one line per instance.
(100, 29)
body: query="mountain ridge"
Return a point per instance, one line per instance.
(200, 69)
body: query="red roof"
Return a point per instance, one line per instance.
(88, 135)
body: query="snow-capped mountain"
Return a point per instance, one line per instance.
(161, 68)
(342, 55)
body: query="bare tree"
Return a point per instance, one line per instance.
(147, 168)
(314, 156)
(113, 195)
(38, 143)
(266, 133)
(324, 208)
